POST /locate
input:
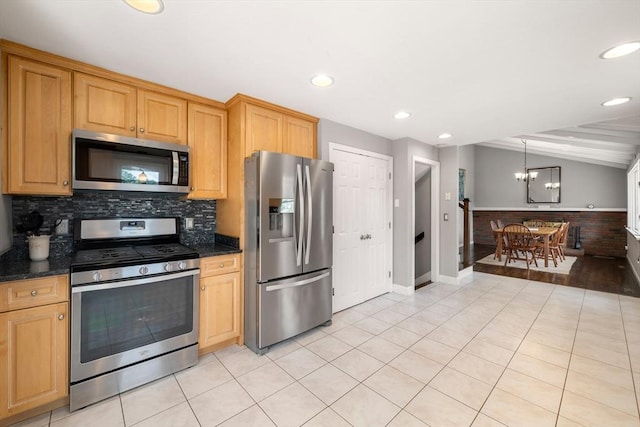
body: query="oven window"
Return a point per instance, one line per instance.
(116, 320)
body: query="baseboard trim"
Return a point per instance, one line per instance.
(403, 290)
(449, 280)
(636, 274)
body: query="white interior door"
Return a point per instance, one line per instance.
(362, 239)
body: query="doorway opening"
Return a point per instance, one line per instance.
(425, 205)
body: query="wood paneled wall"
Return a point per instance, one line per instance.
(601, 233)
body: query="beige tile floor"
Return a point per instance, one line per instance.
(492, 351)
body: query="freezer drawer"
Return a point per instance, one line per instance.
(289, 307)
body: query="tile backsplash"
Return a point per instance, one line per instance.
(111, 204)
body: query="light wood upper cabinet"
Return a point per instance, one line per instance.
(208, 147)
(162, 117)
(36, 150)
(264, 130)
(105, 105)
(34, 343)
(221, 302)
(299, 137)
(258, 125)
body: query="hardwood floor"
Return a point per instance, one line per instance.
(606, 274)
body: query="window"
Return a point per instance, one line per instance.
(633, 199)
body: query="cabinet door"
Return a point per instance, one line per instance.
(219, 308)
(208, 145)
(263, 130)
(299, 137)
(33, 357)
(162, 117)
(104, 105)
(39, 129)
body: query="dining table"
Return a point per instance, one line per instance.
(544, 232)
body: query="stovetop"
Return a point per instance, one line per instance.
(131, 255)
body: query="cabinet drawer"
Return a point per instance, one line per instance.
(33, 292)
(219, 265)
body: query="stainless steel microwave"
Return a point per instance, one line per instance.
(103, 161)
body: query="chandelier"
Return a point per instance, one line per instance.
(524, 176)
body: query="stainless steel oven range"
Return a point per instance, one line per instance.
(134, 305)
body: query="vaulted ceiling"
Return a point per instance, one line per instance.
(491, 72)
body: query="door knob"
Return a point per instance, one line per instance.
(141, 130)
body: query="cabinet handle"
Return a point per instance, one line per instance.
(203, 288)
(61, 317)
(65, 182)
(221, 265)
(193, 188)
(34, 293)
(132, 128)
(141, 130)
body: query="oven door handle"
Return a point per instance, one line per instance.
(141, 281)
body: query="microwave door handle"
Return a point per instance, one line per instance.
(300, 216)
(307, 251)
(176, 168)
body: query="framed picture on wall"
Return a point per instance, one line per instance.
(461, 178)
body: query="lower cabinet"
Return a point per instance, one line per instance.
(221, 301)
(34, 346)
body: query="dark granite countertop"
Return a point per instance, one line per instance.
(26, 269)
(12, 269)
(213, 249)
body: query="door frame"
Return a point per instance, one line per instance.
(333, 147)
(435, 214)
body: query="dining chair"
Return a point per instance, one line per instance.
(500, 223)
(554, 247)
(519, 239)
(563, 239)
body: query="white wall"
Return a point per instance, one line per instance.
(403, 186)
(329, 131)
(581, 183)
(449, 163)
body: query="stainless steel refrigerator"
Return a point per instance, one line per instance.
(288, 247)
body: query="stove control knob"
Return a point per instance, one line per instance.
(168, 267)
(182, 265)
(97, 276)
(144, 269)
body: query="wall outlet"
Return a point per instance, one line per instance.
(188, 224)
(63, 227)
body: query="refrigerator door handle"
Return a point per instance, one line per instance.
(298, 244)
(295, 284)
(307, 251)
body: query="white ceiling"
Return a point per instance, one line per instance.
(486, 71)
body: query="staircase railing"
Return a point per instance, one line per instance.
(466, 242)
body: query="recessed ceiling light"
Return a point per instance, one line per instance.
(322, 80)
(402, 115)
(622, 50)
(616, 101)
(445, 135)
(146, 6)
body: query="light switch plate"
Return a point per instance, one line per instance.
(188, 224)
(447, 196)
